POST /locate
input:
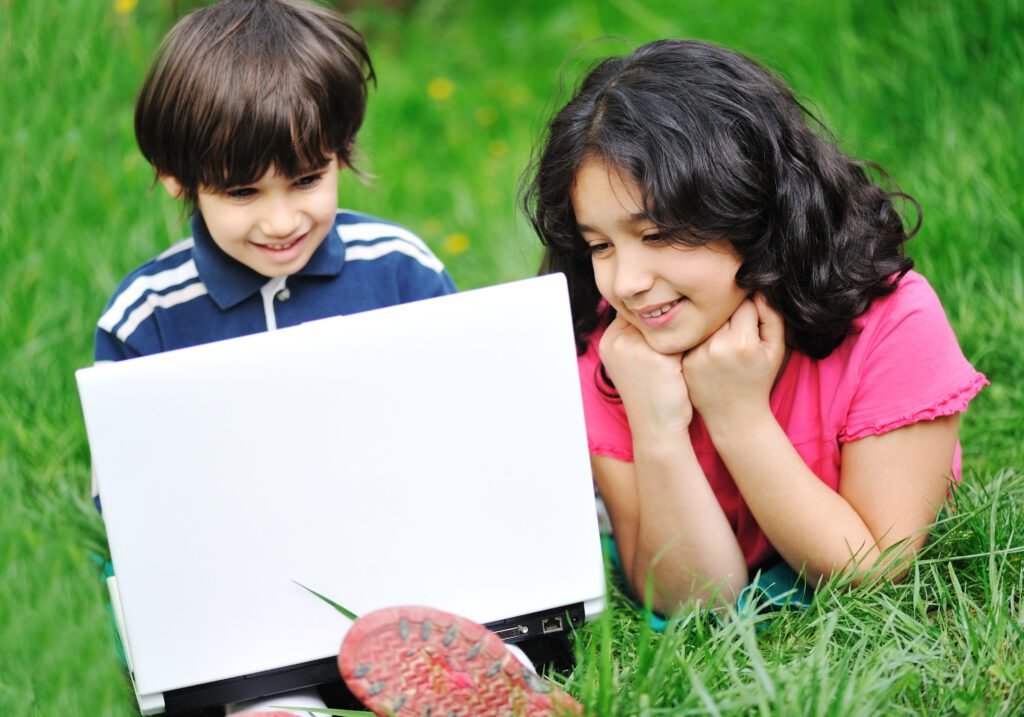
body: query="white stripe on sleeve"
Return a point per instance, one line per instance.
(159, 301)
(155, 282)
(367, 252)
(177, 247)
(368, 231)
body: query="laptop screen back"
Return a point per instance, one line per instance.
(430, 453)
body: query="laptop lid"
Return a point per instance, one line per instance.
(430, 453)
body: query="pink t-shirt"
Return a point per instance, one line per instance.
(901, 364)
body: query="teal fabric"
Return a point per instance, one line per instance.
(774, 588)
(106, 571)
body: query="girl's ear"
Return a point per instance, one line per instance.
(172, 185)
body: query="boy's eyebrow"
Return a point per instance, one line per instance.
(305, 172)
(312, 170)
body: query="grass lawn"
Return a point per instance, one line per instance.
(932, 91)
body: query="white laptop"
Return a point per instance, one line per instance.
(431, 453)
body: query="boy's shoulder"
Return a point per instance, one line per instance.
(175, 266)
(369, 238)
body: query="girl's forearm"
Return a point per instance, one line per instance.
(684, 539)
(810, 525)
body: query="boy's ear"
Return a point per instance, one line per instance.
(172, 185)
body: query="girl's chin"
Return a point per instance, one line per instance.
(668, 345)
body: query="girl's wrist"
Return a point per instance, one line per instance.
(660, 431)
(737, 428)
(662, 445)
(658, 425)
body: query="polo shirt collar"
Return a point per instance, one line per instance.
(230, 282)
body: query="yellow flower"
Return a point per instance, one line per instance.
(123, 7)
(498, 148)
(456, 243)
(440, 88)
(486, 116)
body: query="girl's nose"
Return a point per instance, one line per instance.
(634, 273)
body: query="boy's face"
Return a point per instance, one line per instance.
(273, 225)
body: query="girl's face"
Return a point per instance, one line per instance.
(676, 296)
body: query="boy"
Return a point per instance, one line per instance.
(248, 113)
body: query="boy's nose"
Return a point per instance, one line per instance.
(280, 220)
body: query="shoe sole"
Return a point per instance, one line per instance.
(422, 662)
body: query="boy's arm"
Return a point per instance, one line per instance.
(421, 274)
(424, 283)
(110, 348)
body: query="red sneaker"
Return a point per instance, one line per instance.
(418, 661)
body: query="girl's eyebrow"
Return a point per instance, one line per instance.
(630, 221)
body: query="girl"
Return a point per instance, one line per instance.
(764, 376)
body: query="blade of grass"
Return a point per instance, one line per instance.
(343, 610)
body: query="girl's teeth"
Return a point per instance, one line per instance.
(658, 312)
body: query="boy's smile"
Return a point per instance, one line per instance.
(274, 225)
(677, 296)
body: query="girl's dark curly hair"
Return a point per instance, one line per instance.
(721, 148)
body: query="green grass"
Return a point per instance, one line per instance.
(934, 92)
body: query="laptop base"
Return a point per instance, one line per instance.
(543, 636)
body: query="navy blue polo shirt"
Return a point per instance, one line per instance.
(194, 293)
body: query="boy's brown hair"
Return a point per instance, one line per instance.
(244, 85)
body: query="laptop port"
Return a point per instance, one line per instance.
(551, 624)
(510, 632)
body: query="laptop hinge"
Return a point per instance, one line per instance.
(261, 684)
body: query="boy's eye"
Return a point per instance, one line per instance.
(309, 180)
(241, 192)
(597, 247)
(655, 238)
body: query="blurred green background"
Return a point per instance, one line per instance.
(933, 91)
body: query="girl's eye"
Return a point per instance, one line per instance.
(597, 248)
(655, 239)
(310, 180)
(241, 193)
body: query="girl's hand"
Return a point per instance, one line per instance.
(651, 384)
(730, 376)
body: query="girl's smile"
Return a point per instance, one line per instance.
(676, 295)
(659, 315)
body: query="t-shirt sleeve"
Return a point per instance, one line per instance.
(423, 275)
(607, 427)
(110, 348)
(420, 282)
(911, 367)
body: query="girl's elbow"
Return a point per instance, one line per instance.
(890, 566)
(690, 591)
